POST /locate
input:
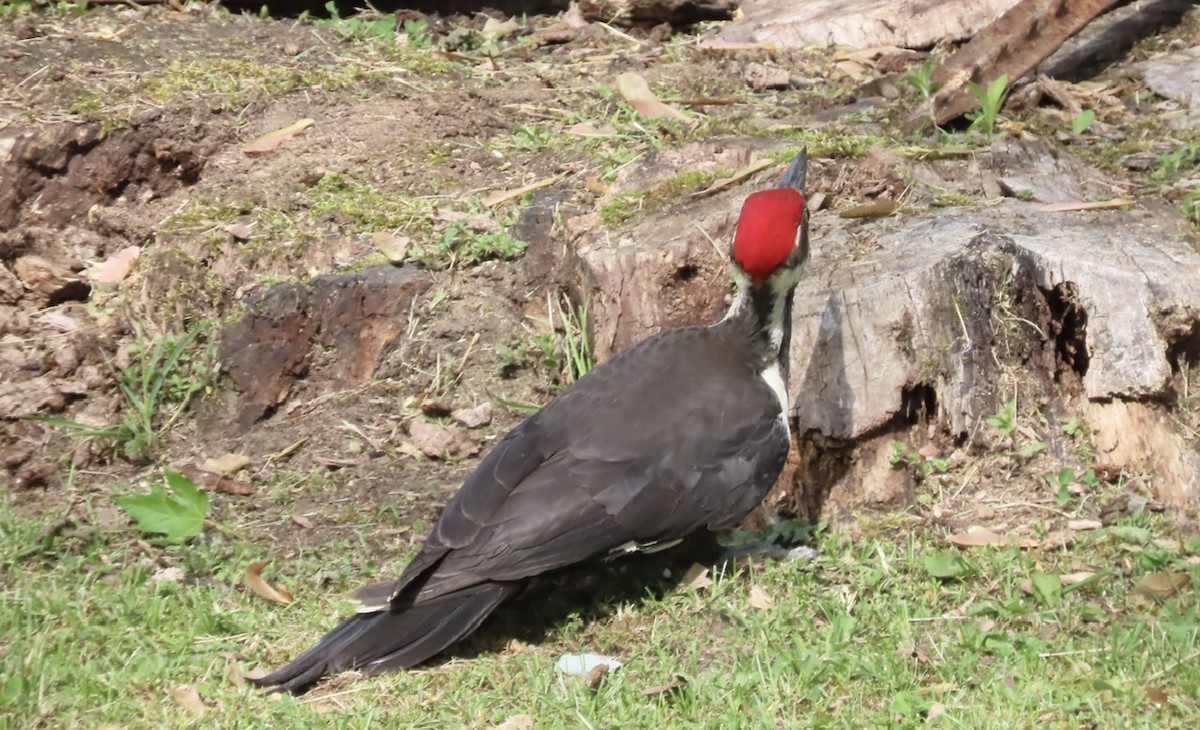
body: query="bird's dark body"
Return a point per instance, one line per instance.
(592, 473)
(679, 434)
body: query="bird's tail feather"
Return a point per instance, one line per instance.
(375, 642)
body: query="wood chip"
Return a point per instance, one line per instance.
(1083, 205)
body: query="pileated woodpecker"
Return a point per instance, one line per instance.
(684, 432)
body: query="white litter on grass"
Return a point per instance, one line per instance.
(584, 663)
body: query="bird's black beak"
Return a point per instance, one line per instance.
(797, 172)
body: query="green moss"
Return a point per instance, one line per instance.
(92, 107)
(951, 198)
(830, 142)
(237, 80)
(364, 209)
(626, 205)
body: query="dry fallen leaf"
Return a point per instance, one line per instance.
(116, 267)
(634, 90)
(1071, 579)
(442, 442)
(516, 722)
(188, 698)
(936, 710)
(480, 415)
(256, 583)
(1157, 696)
(212, 482)
(226, 465)
(976, 536)
(583, 129)
(239, 231)
(170, 574)
(881, 207)
(736, 177)
(496, 29)
(394, 248)
(1162, 584)
(696, 577)
(516, 646)
(596, 675)
(503, 196)
(594, 185)
(1058, 540)
(851, 69)
(679, 682)
(719, 44)
(1100, 205)
(271, 141)
(302, 521)
(759, 599)
(1081, 525)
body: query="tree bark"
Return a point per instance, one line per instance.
(926, 321)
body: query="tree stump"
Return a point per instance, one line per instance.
(923, 324)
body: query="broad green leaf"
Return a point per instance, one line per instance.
(186, 491)
(1046, 586)
(947, 564)
(1081, 121)
(1130, 533)
(1030, 449)
(177, 515)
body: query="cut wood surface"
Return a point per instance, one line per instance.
(863, 23)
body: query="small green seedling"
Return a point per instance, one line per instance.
(1072, 428)
(1082, 121)
(948, 565)
(920, 78)
(1190, 207)
(991, 101)
(1063, 481)
(1005, 420)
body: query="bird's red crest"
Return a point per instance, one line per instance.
(766, 231)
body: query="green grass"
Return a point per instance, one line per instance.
(864, 636)
(165, 373)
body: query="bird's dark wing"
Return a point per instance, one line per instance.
(670, 437)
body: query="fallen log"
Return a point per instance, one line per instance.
(1013, 45)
